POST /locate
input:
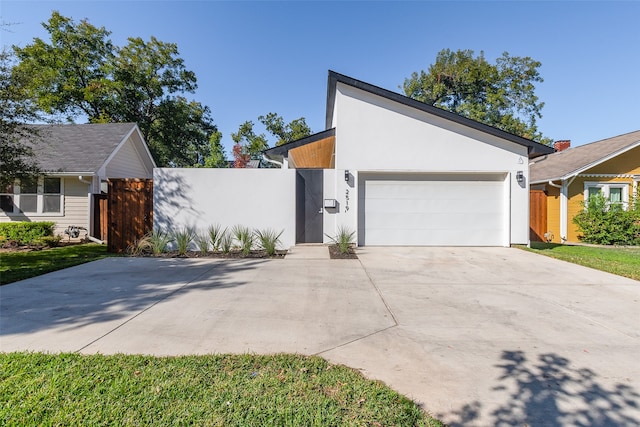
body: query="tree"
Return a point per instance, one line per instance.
(71, 74)
(80, 72)
(500, 95)
(247, 144)
(179, 135)
(216, 157)
(17, 159)
(292, 131)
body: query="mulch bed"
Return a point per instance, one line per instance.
(255, 254)
(14, 246)
(334, 253)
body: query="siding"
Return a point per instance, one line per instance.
(553, 212)
(627, 163)
(127, 163)
(75, 211)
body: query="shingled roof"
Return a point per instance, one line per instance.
(569, 162)
(75, 148)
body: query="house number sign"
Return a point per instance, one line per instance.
(346, 201)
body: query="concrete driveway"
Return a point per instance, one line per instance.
(478, 336)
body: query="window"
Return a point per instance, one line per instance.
(35, 197)
(615, 194)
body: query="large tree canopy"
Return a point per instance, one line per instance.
(80, 73)
(500, 95)
(16, 158)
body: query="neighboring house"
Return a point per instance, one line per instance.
(76, 161)
(394, 170)
(568, 177)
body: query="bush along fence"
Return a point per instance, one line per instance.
(237, 241)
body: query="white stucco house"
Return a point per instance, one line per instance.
(395, 170)
(76, 161)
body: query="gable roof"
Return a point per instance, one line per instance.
(534, 148)
(572, 161)
(82, 148)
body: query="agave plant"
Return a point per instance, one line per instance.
(216, 234)
(244, 236)
(183, 239)
(226, 242)
(268, 240)
(155, 241)
(343, 240)
(202, 242)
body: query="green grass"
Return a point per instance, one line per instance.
(212, 390)
(623, 261)
(16, 266)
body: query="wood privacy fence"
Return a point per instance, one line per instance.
(100, 216)
(130, 206)
(537, 215)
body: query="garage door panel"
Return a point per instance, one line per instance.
(433, 237)
(456, 210)
(430, 206)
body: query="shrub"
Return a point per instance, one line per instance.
(202, 242)
(155, 242)
(608, 225)
(226, 242)
(50, 241)
(343, 240)
(183, 239)
(216, 234)
(26, 233)
(268, 240)
(244, 236)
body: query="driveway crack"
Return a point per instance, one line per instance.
(386, 305)
(162, 298)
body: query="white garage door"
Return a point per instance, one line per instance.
(431, 210)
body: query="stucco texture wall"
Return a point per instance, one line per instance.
(198, 198)
(374, 134)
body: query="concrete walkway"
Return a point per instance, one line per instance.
(478, 336)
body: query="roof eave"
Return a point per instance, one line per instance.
(581, 169)
(282, 150)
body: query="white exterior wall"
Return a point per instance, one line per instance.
(375, 134)
(256, 198)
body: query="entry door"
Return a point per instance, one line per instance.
(309, 193)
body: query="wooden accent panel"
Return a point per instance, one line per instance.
(130, 212)
(315, 155)
(100, 216)
(537, 215)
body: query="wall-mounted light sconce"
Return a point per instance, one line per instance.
(520, 176)
(346, 175)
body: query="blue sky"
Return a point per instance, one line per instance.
(252, 58)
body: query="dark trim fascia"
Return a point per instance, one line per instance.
(534, 148)
(282, 150)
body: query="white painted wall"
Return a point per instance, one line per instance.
(256, 198)
(374, 134)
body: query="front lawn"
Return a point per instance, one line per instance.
(623, 261)
(212, 390)
(16, 266)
